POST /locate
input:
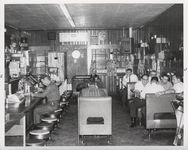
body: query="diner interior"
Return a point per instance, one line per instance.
(75, 44)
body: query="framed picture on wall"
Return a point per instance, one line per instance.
(51, 36)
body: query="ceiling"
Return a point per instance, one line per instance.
(173, 16)
(50, 16)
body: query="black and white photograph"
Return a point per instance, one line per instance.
(84, 74)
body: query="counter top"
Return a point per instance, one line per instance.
(15, 116)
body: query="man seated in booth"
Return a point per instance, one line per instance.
(98, 81)
(128, 77)
(178, 89)
(139, 100)
(81, 86)
(51, 92)
(152, 74)
(177, 83)
(93, 89)
(164, 82)
(177, 86)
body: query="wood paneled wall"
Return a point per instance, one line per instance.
(40, 38)
(75, 66)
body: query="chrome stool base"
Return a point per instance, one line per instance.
(40, 134)
(35, 142)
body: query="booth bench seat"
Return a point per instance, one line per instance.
(159, 112)
(94, 116)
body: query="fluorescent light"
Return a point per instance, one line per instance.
(67, 15)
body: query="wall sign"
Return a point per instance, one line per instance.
(74, 37)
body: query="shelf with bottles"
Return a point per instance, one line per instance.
(16, 65)
(122, 59)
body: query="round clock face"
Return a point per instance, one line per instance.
(75, 54)
(102, 35)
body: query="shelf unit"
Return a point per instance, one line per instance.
(39, 62)
(57, 64)
(100, 56)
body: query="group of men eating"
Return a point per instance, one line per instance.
(148, 84)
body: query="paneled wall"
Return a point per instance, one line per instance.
(11, 35)
(38, 38)
(168, 25)
(75, 67)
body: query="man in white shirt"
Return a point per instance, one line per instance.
(140, 85)
(165, 83)
(128, 77)
(176, 88)
(177, 84)
(153, 87)
(139, 101)
(152, 74)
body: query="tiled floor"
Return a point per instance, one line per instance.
(122, 135)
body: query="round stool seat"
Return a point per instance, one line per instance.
(35, 142)
(49, 120)
(48, 115)
(64, 103)
(44, 126)
(58, 114)
(58, 110)
(40, 134)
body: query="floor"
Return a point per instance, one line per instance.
(122, 135)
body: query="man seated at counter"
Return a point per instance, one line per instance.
(93, 89)
(52, 94)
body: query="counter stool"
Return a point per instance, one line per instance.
(44, 126)
(40, 135)
(50, 120)
(59, 113)
(49, 115)
(63, 107)
(35, 142)
(64, 104)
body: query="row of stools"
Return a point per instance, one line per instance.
(42, 132)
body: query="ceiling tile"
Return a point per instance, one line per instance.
(50, 16)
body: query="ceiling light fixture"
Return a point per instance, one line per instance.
(67, 15)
